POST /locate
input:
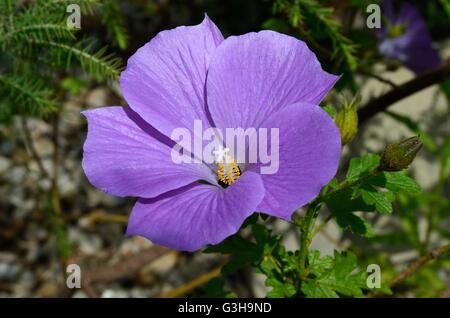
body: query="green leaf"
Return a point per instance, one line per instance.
(245, 252)
(252, 219)
(318, 265)
(264, 239)
(215, 289)
(396, 181)
(343, 201)
(280, 289)
(331, 111)
(242, 252)
(382, 200)
(355, 224)
(341, 279)
(313, 289)
(360, 166)
(333, 184)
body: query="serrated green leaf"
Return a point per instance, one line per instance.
(395, 181)
(354, 224)
(243, 252)
(381, 199)
(343, 201)
(267, 266)
(280, 289)
(362, 165)
(317, 290)
(264, 239)
(215, 289)
(334, 183)
(317, 264)
(340, 280)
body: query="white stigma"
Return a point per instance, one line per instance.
(222, 154)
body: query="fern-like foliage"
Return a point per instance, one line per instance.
(22, 95)
(37, 48)
(316, 17)
(114, 23)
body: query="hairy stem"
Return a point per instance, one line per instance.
(307, 235)
(307, 226)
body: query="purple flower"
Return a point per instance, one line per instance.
(260, 80)
(404, 37)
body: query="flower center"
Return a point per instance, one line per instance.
(396, 30)
(228, 170)
(228, 173)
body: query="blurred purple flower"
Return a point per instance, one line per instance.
(404, 37)
(263, 79)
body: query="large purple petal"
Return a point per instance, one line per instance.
(124, 156)
(414, 48)
(309, 150)
(164, 81)
(256, 74)
(197, 215)
(422, 59)
(417, 41)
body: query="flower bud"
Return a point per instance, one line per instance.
(398, 156)
(347, 121)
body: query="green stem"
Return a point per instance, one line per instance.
(307, 235)
(323, 224)
(347, 184)
(307, 226)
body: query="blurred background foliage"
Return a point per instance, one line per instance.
(49, 73)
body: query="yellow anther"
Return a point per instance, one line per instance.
(228, 172)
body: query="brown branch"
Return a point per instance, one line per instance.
(423, 81)
(377, 77)
(418, 264)
(191, 285)
(100, 216)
